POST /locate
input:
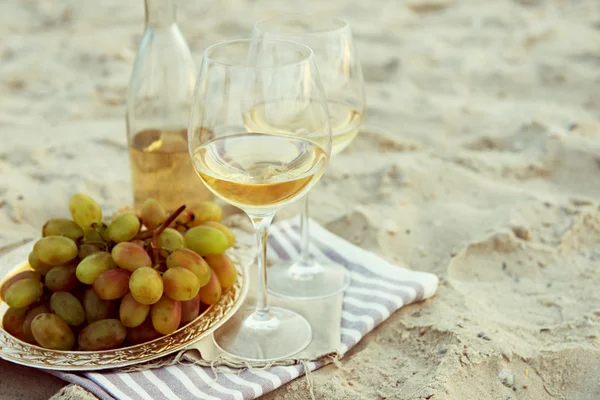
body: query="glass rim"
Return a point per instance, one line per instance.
(207, 57)
(344, 25)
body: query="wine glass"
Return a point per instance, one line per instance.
(260, 170)
(341, 73)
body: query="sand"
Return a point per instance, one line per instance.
(479, 161)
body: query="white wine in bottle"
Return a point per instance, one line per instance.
(158, 103)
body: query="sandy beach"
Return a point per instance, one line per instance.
(479, 161)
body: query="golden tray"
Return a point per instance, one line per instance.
(19, 352)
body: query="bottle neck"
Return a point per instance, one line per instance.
(160, 13)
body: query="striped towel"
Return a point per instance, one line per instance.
(378, 288)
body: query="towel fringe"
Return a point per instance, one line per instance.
(310, 381)
(335, 359)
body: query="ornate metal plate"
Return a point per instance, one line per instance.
(17, 351)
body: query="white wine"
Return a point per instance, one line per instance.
(158, 103)
(345, 123)
(161, 168)
(275, 117)
(257, 172)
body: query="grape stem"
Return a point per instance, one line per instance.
(144, 235)
(156, 232)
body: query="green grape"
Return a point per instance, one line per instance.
(55, 250)
(62, 227)
(17, 277)
(224, 268)
(37, 265)
(87, 249)
(131, 312)
(183, 218)
(186, 258)
(85, 211)
(206, 241)
(96, 308)
(180, 284)
(92, 266)
(190, 310)
(153, 213)
(226, 231)
(146, 285)
(13, 320)
(94, 237)
(130, 256)
(66, 306)
(62, 278)
(204, 212)
(31, 314)
(142, 333)
(112, 284)
(211, 292)
(169, 240)
(123, 228)
(23, 292)
(51, 332)
(166, 315)
(105, 334)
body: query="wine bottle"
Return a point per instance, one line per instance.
(158, 103)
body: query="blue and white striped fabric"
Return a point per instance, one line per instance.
(378, 289)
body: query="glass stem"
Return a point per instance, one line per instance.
(261, 225)
(305, 257)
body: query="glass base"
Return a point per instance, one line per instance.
(307, 281)
(279, 334)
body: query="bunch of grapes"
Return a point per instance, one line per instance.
(96, 286)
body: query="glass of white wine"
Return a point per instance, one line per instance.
(260, 170)
(333, 46)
